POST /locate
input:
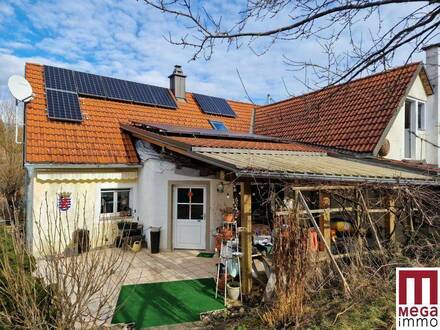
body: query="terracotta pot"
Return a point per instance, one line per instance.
(227, 234)
(229, 217)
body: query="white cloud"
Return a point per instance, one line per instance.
(125, 39)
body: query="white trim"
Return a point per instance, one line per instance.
(111, 186)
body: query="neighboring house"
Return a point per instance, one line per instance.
(105, 146)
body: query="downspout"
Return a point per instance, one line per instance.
(29, 197)
(28, 190)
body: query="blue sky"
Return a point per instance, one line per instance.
(125, 39)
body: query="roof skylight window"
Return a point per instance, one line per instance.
(218, 125)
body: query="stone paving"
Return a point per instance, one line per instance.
(145, 267)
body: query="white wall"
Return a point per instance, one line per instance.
(433, 69)
(396, 135)
(149, 200)
(154, 197)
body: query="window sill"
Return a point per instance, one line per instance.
(115, 217)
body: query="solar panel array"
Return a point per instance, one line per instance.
(214, 105)
(81, 83)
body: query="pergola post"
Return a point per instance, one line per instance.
(391, 219)
(246, 237)
(324, 219)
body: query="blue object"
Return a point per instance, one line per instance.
(218, 125)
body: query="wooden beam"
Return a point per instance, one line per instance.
(246, 237)
(324, 219)
(391, 219)
(321, 187)
(326, 246)
(334, 210)
(373, 227)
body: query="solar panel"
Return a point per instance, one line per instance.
(105, 87)
(141, 93)
(58, 78)
(116, 89)
(89, 84)
(163, 97)
(63, 105)
(214, 105)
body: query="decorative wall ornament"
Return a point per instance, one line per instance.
(64, 201)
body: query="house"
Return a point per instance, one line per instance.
(169, 158)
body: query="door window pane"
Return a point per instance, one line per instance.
(197, 196)
(107, 202)
(123, 200)
(197, 212)
(182, 211)
(182, 195)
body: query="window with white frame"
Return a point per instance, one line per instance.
(421, 116)
(115, 201)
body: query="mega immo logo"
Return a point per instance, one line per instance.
(417, 298)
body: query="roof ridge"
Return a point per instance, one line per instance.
(329, 87)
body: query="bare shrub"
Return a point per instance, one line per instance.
(11, 163)
(292, 268)
(76, 275)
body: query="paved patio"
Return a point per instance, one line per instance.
(139, 267)
(144, 267)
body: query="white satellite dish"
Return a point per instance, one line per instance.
(20, 88)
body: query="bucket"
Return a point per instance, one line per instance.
(233, 290)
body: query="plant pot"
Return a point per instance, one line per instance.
(227, 234)
(233, 290)
(229, 217)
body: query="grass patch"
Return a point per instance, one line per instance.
(155, 304)
(369, 309)
(205, 254)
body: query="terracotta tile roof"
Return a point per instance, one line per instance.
(99, 139)
(244, 144)
(351, 116)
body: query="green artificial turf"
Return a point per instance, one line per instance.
(154, 304)
(206, 254)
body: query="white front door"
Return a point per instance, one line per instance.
(189, 218)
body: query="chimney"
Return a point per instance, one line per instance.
(177, 82)
(432, 67)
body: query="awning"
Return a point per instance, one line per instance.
(280, 160)
(310, 166)
(82, 176)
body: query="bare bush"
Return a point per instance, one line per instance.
(11, 163)
(292, 267)
(74, 273)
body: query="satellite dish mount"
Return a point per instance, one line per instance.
(21, 90)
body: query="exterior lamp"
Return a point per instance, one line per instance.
(220, 187)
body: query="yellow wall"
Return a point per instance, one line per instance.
(52, 227)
